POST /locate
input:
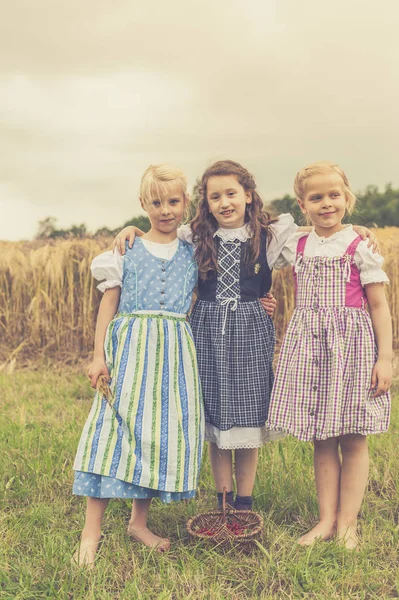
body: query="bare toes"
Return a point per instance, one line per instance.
(319, 532)
(85, 554)
(349, 538)
(149, 539)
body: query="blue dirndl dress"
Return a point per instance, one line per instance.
(148, 442)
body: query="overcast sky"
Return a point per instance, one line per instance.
(93, 91)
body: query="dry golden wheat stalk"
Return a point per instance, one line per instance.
(48, 300)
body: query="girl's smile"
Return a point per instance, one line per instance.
(165, 212)
(227, 201)
(324, 203)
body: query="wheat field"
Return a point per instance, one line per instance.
(48, 300)
(48, 305)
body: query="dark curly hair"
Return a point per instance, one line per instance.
(204, 223)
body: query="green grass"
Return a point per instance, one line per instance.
(41, 416)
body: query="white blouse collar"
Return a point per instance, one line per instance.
(229, 235)
(168, 245)
(325, 240)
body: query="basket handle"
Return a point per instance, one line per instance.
(224, 504)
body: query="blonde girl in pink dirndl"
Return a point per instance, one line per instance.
(334, 368)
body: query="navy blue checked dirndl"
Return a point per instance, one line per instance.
(235, 367)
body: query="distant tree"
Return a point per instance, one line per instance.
(142, 222)
(79, 231)
(380, 209)
(45, 228)
(377, 207)
(104, 232)
(195, 198)
(286, 204)
(373, 206)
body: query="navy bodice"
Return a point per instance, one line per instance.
(235, 279)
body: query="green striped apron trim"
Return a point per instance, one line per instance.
(109, 349)
(113, 434)
(180, 439)
(150, 316)
(90, 434)
(155, 420)
(133, 402)
(193, 356)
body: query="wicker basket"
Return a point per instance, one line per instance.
(227, 528)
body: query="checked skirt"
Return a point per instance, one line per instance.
(235, 367)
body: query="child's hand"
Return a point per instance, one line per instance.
(126, 233)
(269, 303)
(97, 368)
(381, 377)
(367, 234)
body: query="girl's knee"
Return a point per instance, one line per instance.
(353, 443)
(244, 453)
(329, 445)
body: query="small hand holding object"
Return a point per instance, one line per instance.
(269, 303)
(381, 378)
(97, 368)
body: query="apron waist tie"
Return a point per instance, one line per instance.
(231, 303)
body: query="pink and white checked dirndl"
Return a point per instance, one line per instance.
(322, 387)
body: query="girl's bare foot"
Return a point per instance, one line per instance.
(322, 531)
(85, 555)
(348, 537)
(146, 537)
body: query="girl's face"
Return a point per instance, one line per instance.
(227, 200)
(166, 212)
(324, 203)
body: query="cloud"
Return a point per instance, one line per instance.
(92, 92)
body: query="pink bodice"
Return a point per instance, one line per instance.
(354, 295)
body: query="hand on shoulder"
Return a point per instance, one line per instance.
(366, 234)
(127, 233)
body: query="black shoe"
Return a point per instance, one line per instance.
(229, 499)
(243, 503)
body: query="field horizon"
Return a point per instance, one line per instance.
(49, 300)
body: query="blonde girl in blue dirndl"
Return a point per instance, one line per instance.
(145, 440)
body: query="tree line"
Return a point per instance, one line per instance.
(374, 208)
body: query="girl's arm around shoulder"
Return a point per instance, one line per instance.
(282, 249)
(367, 236)
(185, 234)
(381, 318)
(106, 312)
(283, 231)
(127, 233)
